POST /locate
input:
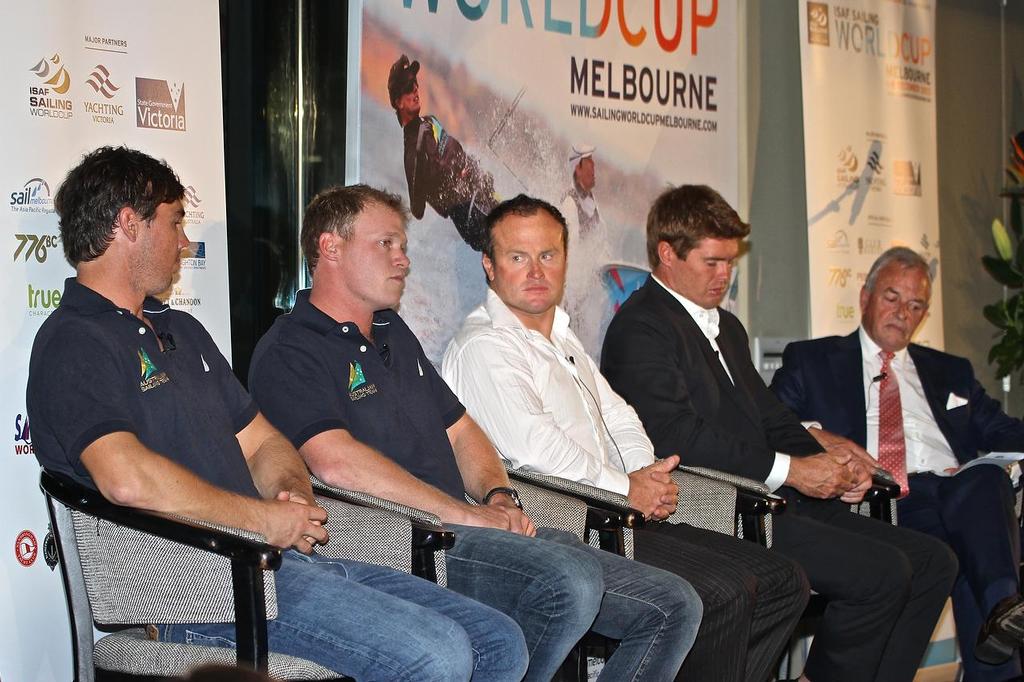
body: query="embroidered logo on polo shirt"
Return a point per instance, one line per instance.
(357, 386)
(150, 376)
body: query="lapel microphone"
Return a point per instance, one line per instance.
(881, 377)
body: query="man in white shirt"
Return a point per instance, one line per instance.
(525, 378)
(684, 365)
(924, 415)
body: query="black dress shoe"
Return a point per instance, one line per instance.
(1002, 633)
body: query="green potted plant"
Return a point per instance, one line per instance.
(1007, 268)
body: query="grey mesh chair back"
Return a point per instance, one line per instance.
(375, 530)
(590, 513)
(116, 577)
(724, 503)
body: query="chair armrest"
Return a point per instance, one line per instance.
(757, 504)
(419, 516)
(607, 510)
(232, 543)
(133, 573)
(880, 500)
(883, 488)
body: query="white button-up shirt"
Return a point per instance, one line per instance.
(707, 321)
(927, 448)
(543, 403)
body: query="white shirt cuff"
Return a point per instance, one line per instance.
(613, 480)
(780, 471)
(808, 425)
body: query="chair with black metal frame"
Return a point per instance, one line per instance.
(707, 498)
(124, 568)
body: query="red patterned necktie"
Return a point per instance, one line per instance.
(892, 445)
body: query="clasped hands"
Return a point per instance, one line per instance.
(844, 470)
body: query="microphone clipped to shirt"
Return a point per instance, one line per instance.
(881, 377)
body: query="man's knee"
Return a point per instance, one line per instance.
(445, 652)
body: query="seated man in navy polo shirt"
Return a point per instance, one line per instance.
(134, 399)
(347, 382)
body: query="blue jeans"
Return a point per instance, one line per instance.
(375, 623)
(557, 588)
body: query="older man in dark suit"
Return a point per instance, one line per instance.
(924, 415)
(684, 365)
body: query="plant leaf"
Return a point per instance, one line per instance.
(1003, 272)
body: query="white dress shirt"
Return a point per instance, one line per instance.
(707, 321)
(927, 448)
(544, 404)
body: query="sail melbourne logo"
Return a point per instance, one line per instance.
(817, 23)
(159, 104)
(22, 436)
(33, 197)
(54, 80)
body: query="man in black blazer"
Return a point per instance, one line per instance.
(684, 365)
(947, 419)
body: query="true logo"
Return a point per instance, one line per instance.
(357, 386)
(150, 376)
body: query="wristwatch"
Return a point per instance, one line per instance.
(504, 490)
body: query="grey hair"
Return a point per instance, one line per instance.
(908, 258)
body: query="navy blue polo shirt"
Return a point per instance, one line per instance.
(97, 369)
(311, 374)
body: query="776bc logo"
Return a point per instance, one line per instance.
(35, 245)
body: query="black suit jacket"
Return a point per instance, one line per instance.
(656, 357)
(822, 380)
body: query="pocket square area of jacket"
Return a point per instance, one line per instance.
(954, 401)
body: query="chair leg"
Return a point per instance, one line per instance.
(250, 616)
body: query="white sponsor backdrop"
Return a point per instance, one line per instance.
(518, 84)
(69, 85)
(868, 71)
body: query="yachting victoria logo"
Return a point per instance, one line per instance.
(817, 23)
(54, 80)
(159, 104)
(194, 212)
(150, 376)
(33, 197)
(103, 111)
(357, 386)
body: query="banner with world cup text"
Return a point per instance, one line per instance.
(595, 106)
(868, 71)
(76, 76)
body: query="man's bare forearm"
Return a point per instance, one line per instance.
(342, 461)
(479, 463)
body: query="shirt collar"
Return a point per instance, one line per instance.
(870, 349)
(311, 317)
(87, 301)
(706, 319)
(501, 316)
